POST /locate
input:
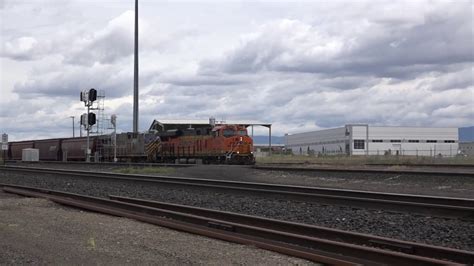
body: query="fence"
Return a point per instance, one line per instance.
(435, 152)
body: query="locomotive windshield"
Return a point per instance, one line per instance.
(231, 132)
(228, 133)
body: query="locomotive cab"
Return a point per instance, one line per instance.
(229, 131)
(236, 144)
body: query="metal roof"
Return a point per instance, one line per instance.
(206, 122)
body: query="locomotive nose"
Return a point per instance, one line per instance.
(244, 145)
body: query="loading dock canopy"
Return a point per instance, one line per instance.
(163, 125)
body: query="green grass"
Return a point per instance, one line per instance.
(145, 170)
(361, 160)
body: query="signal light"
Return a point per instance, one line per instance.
(113, 120)
(91, 119)
(84, 119)
(84, 96)
(92, 95)
(88, 96)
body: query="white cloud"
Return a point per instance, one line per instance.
(21, 48)
(106, 46)
(298, 65)
(377, 49)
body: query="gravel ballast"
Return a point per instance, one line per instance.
(419, 184)
(40, 232)
(443, 232)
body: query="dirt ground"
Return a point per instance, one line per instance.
(39, 232)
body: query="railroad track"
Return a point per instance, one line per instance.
(451, 165)
(426, 205)
(130, 164)
(434, 172)
(318, 244)
(436, 165)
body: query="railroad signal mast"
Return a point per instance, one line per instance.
(113, 121)
(4, 145)
(88, 119)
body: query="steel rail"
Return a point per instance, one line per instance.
(287, 164)
(276, 239)
(436, 172)
(152, 216)
(426, 205)
(129, 164)
(315, 231)
(435, 165)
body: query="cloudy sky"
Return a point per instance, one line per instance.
(300, 65)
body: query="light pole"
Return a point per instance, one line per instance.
(73, 135)
(135, 73)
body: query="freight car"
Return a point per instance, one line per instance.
(60, 149)
(74, 149)
(49, 149)
(15, 149)
(130, 147)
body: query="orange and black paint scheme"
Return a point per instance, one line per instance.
(224, 144)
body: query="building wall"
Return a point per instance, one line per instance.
(467, 148)
(328, 141)
(421, 141)
(361, 139)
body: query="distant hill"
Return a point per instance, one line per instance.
(264, 140)
(466, 133)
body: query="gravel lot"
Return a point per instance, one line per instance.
(39, 232)
(438, 231)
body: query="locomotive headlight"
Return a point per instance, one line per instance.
(238, 152)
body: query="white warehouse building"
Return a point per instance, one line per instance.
(363, 139)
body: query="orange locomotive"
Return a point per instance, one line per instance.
(220, 144)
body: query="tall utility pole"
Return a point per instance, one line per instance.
(135, 76)
(72, 126)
